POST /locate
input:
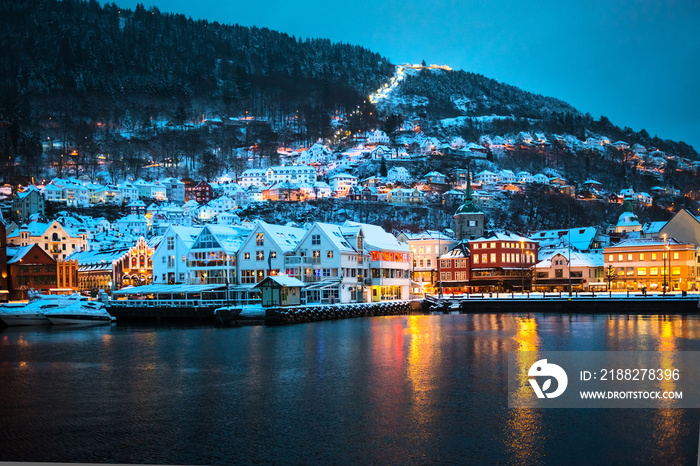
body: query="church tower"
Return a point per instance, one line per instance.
(468, 221)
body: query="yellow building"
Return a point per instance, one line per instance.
(655, 264)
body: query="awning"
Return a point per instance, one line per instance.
(167, 289)
(322, 285)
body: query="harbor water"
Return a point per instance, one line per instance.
(381, 390)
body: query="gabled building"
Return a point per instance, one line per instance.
(170, 257)
(30, 268)
(454, 270)
(212, 259)
(388, 264)
(56, 240)
(27, 203)
(329, 265)
(684, 227)
(426, 248)
(135, 267)
(585, 269)
(263, 251)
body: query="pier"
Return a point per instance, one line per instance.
(576, 303)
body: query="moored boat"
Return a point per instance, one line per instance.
(81, 313)
(33, 313)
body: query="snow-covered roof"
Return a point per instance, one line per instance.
(503, 236)
(577, 258)
(283, 280)
(376, 238)
(285, 237)
(335, 235)
(21, 252)
(580, 238)
(646, 242)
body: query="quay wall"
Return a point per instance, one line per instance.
(573, 305)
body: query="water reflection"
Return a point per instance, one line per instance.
(524, 425)
(421, 370)
(416, 389)
(667, 422)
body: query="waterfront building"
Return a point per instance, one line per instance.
(170, 257)
(280, 290)
(502, 261)
(212, 257)
(454, 270)
(4, 293)
(89, 270)
(388, 264)
(329, 264)
(30, 267)
(656, 264)
(135, 266)
(263, 251)
(426, 248)
(585, 270)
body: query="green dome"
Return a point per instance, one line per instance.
(468, 208)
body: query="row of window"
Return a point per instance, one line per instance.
(457, 275)
(642, 256)
(510, 245)
(506, 257)
(260, 255)
(653, 271)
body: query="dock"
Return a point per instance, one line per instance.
(564, 303)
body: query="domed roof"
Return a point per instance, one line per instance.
(468, 208)
(628, 219)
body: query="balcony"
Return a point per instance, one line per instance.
(296, 261)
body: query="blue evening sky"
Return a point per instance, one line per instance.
(635, 61)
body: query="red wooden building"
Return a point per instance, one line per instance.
(31, 268)
(454, 270)
(502, 262)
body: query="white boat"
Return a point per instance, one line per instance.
(81, 313)
(33, 313)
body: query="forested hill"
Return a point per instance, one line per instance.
(111, 59)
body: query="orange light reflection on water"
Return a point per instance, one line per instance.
(524, 425)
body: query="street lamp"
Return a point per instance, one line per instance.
(522, 266)
(664, 269)
(670, 269)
